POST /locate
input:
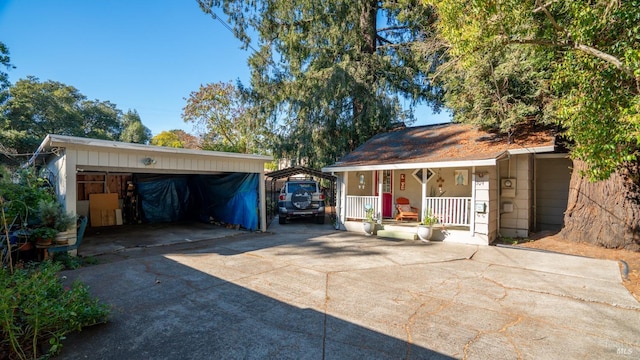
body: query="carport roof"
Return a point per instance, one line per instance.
(298, 170)
(441, 145)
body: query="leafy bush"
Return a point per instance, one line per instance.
(73, 262)
(37, 311)
(22, 198)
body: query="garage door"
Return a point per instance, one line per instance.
(552, 192)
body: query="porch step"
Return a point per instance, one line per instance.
(397, 234)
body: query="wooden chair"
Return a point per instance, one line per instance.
(405, 210)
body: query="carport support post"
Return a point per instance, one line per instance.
(263, 203)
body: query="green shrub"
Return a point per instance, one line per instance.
(73, 262)
(37, 311)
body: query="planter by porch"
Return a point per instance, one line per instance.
(425, 232)
(369, 227)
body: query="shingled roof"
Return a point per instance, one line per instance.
(441, 143)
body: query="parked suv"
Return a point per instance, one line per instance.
(301, 198)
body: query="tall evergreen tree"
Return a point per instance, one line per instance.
(333, 73)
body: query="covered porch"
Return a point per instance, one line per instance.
(452, 192)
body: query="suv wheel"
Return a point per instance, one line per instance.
(282, 219)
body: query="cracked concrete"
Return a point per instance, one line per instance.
(304, 291)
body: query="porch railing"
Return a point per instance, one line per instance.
(450, 210)
(355, 207)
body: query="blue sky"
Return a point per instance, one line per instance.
(142, 54)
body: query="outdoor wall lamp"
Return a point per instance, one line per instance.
(148, 161)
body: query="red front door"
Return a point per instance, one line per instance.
(387, 196)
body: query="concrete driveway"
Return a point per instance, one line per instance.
(305, 291)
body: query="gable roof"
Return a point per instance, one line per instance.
(440, 145)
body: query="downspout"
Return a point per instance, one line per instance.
(535, 193)
(379, 199)
(472, 215)
(499, 212)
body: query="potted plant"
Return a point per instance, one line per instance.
(63, 223)
(48, 212)
(425, 228)
(369, 222)
(44, 235)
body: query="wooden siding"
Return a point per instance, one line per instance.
(119, 160)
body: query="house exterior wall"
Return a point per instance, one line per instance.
(412, 188)
(63, 175)
(131, 160)
(354, 182)
(515, 219)
(484, 228)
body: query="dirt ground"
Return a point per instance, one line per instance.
(553, 242)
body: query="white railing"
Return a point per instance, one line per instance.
(450, 210)
(355, 207)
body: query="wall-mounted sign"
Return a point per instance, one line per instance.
(402, 181)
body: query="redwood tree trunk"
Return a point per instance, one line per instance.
(605, 213)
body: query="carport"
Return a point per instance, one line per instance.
(227, 187)
(275, 179)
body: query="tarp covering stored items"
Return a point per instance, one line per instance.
(231, 198)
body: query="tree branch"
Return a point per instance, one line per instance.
(606, 57)
(384, 40)
(547, 13)
(391, 28)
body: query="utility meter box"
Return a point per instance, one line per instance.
(508, 187)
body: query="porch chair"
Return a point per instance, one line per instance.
(82, 226)
(405, 210)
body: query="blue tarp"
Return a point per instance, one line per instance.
(231, 198)
(164, 199)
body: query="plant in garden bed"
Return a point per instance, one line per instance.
(38, 311)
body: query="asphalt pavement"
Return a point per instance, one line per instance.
(306, 291)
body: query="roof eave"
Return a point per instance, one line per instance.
(532, 150)
(406, 166)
